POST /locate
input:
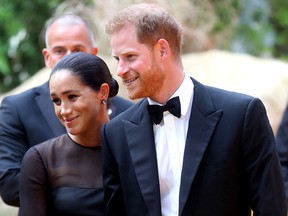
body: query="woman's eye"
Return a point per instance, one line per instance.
(56, 101)
(71, 97)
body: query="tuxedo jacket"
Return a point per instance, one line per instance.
(282, 146)
(230, 163)
(27, 119)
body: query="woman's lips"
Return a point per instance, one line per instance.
(70, 121)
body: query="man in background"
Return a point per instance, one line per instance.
(282, 147)
(28, 118)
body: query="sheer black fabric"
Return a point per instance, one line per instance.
(61, 177)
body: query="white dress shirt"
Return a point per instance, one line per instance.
(170, 137)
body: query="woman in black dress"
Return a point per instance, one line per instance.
(63, 176)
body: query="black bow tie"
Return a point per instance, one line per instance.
(156, 111)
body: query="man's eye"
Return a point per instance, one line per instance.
(130, 57)
(77, 50)
(60, 51)
(116, 58)
(56, 101)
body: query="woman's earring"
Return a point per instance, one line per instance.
(103, 101)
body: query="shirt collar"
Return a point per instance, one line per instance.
(185, 93)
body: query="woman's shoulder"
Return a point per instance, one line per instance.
(46, 151)
(50, 145)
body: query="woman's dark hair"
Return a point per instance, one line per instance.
(91, 70)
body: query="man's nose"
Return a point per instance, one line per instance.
(122, 68)
(68, 52)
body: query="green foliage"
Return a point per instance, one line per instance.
(279, 20)
(21, 23)
(253, 33)
(226, 12)
(257, 27)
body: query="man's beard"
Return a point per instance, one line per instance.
(151, 82)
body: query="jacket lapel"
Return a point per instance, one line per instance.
(140, 138)
(202, 123)
(139, 129)
(47, 109)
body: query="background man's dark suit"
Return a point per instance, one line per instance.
(282, 146)
(230, 160)
(19, 131)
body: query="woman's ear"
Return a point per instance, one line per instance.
(104, 91)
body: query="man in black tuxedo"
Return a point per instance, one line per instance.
(204, 151)
(28, 118)
(282, 146)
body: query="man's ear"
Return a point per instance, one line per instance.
(46, 55)
(94, 51)
(164, 48)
